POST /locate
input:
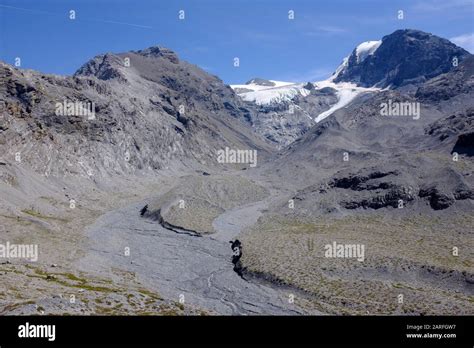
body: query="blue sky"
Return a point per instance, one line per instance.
(258, 32)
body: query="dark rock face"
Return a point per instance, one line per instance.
(404, 57)
(438, 200)
(394, 198)
(463, 193)
(373, 189)
(309, 86)
(456, 127)
(465, 144)
(359, 182)
(446, 86)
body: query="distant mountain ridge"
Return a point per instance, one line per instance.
(404, 59)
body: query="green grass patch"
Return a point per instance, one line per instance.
(41, 216)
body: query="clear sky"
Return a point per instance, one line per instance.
(258, 32)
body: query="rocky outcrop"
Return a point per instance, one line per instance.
(438, 200)
(374, 189)
(465, 144)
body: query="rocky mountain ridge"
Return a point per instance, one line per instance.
(150, 110)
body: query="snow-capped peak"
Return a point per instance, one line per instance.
(366, 49)
(362, 51)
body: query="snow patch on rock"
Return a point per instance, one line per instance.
(366, 49)
(346, 92)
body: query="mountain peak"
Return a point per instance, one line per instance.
(104, 66)
(260, 82)
(159, 52)
(110, 65)
(414, 33)
(404, 57)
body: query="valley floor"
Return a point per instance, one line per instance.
(129, 264)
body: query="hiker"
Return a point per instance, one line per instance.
(236, 255)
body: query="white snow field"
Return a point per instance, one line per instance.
(286, 91)
(345, 91)
(264, 95)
